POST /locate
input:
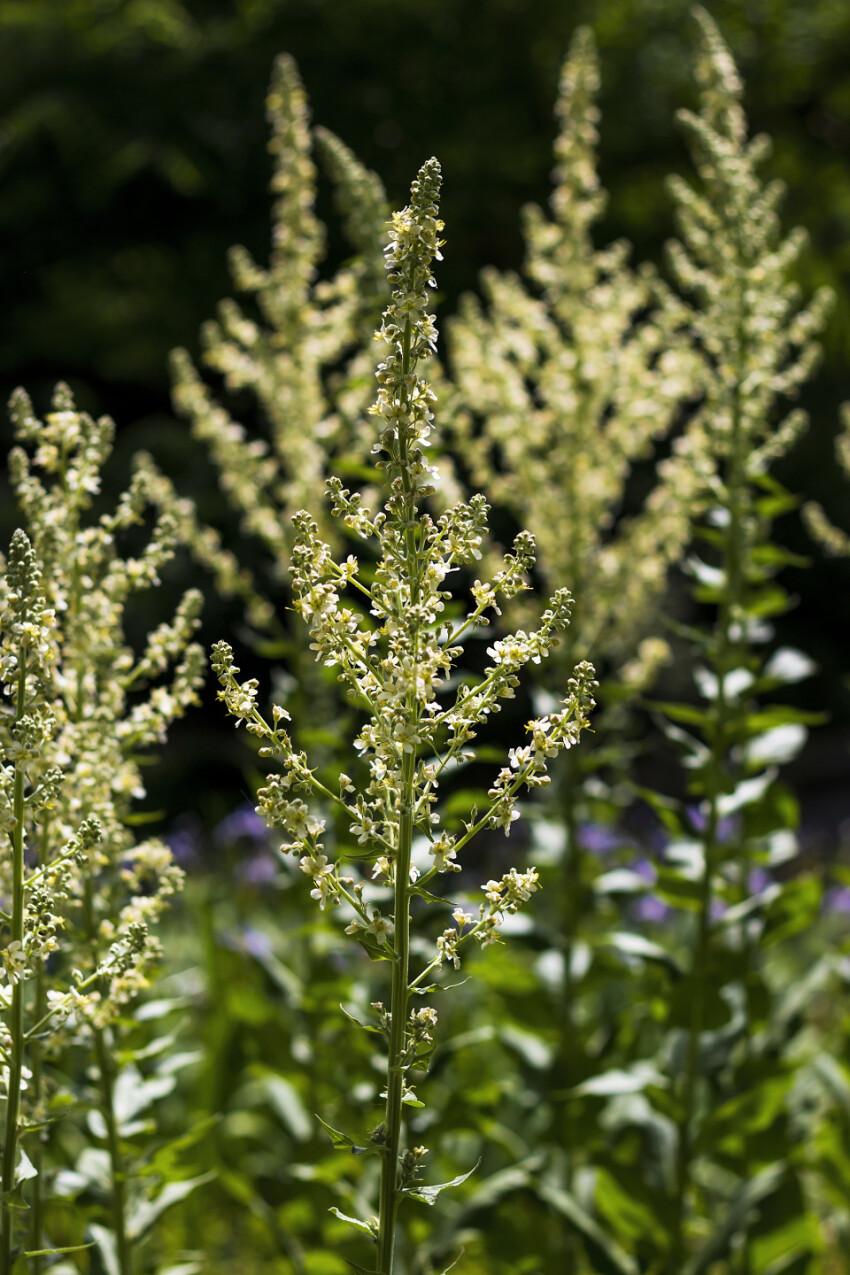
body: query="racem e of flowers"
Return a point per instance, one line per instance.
(394, 636)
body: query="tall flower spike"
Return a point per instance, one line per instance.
(307, 361)
(393, 648)
(756, 345)
(563, 385)
(87, 894)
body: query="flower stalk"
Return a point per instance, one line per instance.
(396, 659)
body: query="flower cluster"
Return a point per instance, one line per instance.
(832, 539)
(393, 633)
(565, 382)
(308, 362)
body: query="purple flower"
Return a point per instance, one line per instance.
(260, 869)
(759, 881)
(728, 826)
(645, 869)
(598, 839)
(247, 940)
(243, 823)
(184, 841)
(837, 899)
(651, 909)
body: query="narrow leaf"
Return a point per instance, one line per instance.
(429, 1194)
(568, 1206)
(363, 1227)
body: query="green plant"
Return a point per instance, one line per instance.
(728, 1187)
(85, 707)
(394, 665)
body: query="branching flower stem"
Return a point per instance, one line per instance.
(16, 1019)
(398, 671)
(39, 1008)
(389, 1199)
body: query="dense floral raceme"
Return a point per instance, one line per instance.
(81, 706)
(565, 382)
(307, 361)
(392, 630)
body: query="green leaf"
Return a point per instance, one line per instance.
(667, 809)
(429, 1194)
(685, 714)
(679, 890)
(285, 1100)
(748, 792)
(147, 1211)
(636, 945)
(749, 1195)
(620, 881)
(107, 1246)
(366, 1027)
(611, 1083)
(26, 1169)
(568, 1206)
(836, 1079)
(792, 911)
(51, 1252)
(134, 1094)
(151, 1010)
(788, 665)
(363, 1227)
(342, 1142)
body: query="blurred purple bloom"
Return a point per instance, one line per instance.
(248, 940)
(727, 827)
(759, 880)
(260, 869)
(645, 869)
(718, 909)
(598, 839)
(837, 899)
(243, 823)
(651, 909)
(184, 841)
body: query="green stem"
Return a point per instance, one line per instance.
(16, 1021)
(390, 1197)
(118, 1203)
(727, 650)
(37, 1242)
(105, 1064)
(398, 1023)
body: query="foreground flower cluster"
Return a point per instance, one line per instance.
(392, 632)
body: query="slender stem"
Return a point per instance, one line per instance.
(105, 1064)
(39, 1009)
(398, 1024)
(118, 1203)
(16, 1021)
(728, 644)
(390, 1197)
